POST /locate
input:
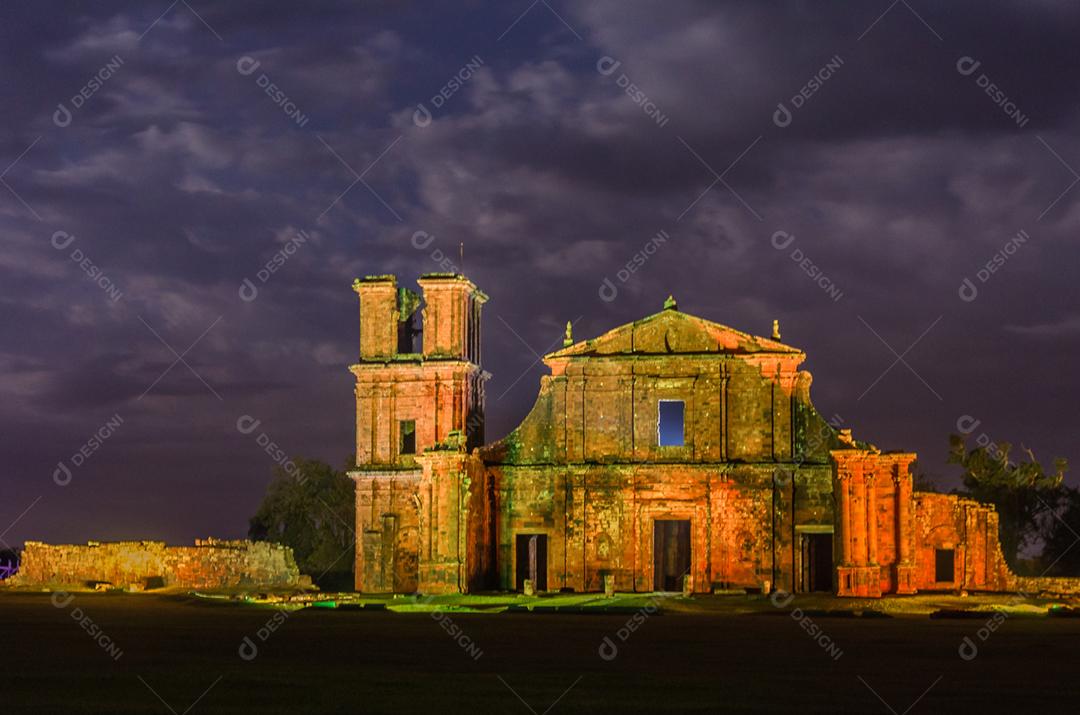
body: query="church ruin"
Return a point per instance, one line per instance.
(669, 453)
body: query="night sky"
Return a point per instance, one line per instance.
(157, 156)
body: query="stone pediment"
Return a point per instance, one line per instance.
(673, 332)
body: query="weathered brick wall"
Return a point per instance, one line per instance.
(378, 316)
(451, 315)
(599, 519)
(209, 563)
(970, 529)
(1045, 586)
(586, 469)
(389, 545)
(426, 529)
(875, 549)
(605, 410)
(439, 396)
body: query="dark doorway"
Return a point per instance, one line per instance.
(944, 565)
(817, 562)
(671, 554)
(532, 561)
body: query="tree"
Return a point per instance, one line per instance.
(311, 509)
(1025, 494)
(1061, 538)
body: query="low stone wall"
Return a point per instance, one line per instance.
(1046, 585)
(209, 564)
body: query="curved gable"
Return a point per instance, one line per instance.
(673, 332)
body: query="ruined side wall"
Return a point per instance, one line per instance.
(599, 520)
(970, 529)
(208, 564)
(889, 535)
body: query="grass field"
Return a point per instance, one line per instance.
(712, 654)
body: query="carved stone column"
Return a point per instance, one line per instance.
(905, 528)
(871, 519)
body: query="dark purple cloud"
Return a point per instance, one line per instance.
(181, 173)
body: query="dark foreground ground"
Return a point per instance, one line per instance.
(181, 655)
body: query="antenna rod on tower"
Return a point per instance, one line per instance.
(461, 256)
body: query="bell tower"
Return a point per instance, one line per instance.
(419, 376)
(419, 410)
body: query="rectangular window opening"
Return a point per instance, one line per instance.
(410, 335)
(407, 430)
(944, 565)
(669, 424)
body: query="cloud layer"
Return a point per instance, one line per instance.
(791, 153)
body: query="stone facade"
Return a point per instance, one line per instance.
(209, 564)
(670, 453)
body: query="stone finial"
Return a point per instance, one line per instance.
(776, 330)
(568, 339)
(670, 303)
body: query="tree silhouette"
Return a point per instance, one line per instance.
(311, 510)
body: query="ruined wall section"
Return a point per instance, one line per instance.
(968, 529)
(599, 520)
(209, 564)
